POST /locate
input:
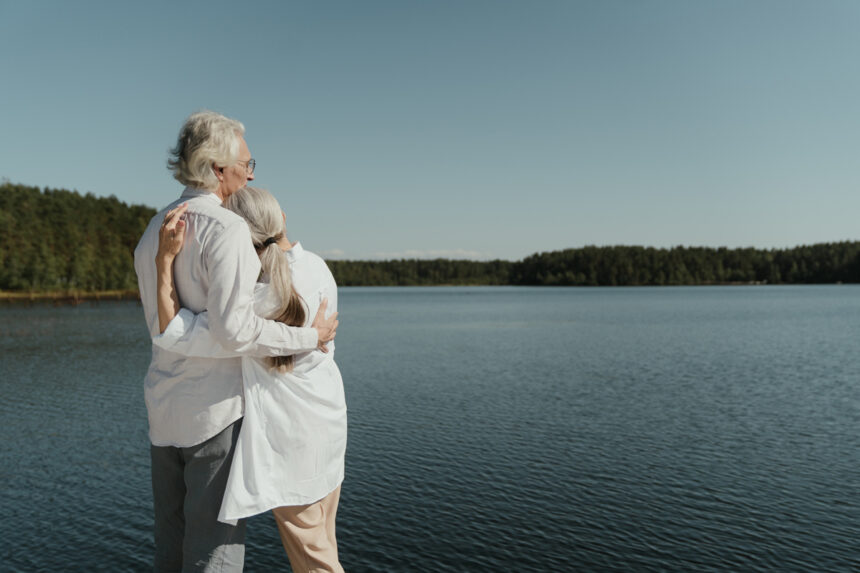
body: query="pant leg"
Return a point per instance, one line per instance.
(308, 535)
(209, 545)
(168, 495)
(331, 501)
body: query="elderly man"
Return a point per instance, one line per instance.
(195, 404)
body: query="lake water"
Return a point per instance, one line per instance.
(490, 429)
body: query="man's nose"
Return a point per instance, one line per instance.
(250, 177)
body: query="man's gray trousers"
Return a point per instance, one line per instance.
(187, 488)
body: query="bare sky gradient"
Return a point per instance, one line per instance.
(462, 129)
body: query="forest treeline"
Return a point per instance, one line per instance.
(58, 240)
(621, 266)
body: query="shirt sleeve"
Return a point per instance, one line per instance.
(144, 265)
(188, 334)
(232, 267)
(326, 290)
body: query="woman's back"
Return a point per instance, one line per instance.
(293, 439)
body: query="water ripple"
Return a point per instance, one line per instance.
(511, 429)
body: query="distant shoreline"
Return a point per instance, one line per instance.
(57, 239)
(67, 297)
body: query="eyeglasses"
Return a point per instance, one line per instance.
(249, 165)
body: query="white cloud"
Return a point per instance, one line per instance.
(332, 254)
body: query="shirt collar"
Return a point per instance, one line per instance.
(295, 252)
(191, 192)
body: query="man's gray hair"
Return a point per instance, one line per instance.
(205, 139)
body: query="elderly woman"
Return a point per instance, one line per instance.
(290, 453)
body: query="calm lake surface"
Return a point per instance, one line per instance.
(490, 429)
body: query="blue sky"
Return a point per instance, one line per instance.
(464, 129)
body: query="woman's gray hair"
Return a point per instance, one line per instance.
(265, 219)
(206, 138)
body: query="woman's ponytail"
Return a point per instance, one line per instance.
(263, 215)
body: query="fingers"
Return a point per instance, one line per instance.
(328, 333)
(174, 215)
(173, 221)
(179, 209)
(171, 235)
(322, 308)
(332, 332)
(178, 213)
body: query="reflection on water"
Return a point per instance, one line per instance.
(491, 429)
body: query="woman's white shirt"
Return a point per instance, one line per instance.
(293, 439)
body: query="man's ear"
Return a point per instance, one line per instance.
(219, 172)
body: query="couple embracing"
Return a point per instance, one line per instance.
(245, 403)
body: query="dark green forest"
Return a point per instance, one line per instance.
(58, 240)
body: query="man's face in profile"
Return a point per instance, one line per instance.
(237, 175)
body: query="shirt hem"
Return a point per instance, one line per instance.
(183, 444)
(293, 500)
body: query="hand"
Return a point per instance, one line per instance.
(326, 327)
(172, 233)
